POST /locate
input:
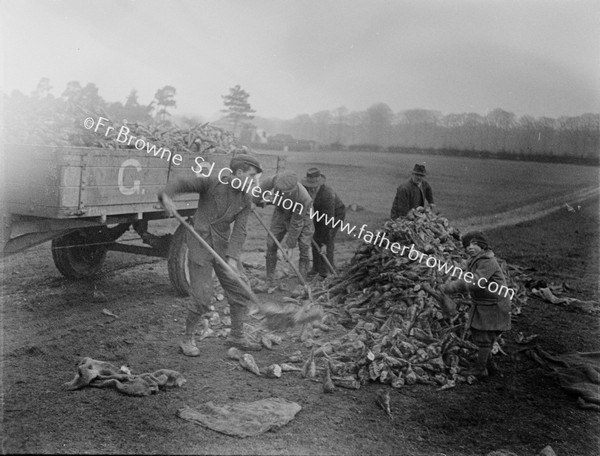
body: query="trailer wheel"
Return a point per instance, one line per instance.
(76, 260)
(177, 260)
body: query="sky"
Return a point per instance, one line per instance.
(535, 57)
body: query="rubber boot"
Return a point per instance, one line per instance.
(188, 345)
(237, 338)
(271, 264)
(480, 371)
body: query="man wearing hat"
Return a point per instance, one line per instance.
(414, 193)
(291, 216)
(325, 201)
(220, 206)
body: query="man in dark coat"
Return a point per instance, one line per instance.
(219, 206)
(414, 193)
(327, 202)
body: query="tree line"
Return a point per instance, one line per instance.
(378, 127)
(41, 114)
(498, 133)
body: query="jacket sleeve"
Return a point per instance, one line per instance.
(428, 193)
(265, 184)
(298, 218)
(186, 185)
(238, 234)
(455, 286)
(487, 269)
(400, 205)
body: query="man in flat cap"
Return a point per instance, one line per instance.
(414, 193)
(291, 216)
(327, 202)
(220, 206)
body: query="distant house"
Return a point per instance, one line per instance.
(287, 142)
(257, 137)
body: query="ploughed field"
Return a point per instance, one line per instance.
(49, 324)
(462, 187)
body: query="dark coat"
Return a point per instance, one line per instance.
(490, 310)
(408, 196)
(326, 201)
(219, 205)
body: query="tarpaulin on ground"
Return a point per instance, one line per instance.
(243, 419)
(578, 373)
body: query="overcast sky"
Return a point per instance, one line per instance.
(530, 57)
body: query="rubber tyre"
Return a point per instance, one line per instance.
(179, 274)
(79, 262)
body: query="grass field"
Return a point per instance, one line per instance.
(462, 187)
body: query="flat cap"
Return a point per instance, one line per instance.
(247, 159)
(285, 181)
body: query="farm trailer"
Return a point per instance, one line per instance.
(84, 199)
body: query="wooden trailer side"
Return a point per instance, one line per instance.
(72, 182)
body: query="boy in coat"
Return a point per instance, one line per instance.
(489, 315)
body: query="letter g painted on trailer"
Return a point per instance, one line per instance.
(136, 183)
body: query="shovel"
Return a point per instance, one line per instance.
(277, 316)
(285, 255)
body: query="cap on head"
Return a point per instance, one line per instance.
(420, 170)
(245, 159)
(313, 178)
(286, 181)
(475, 236)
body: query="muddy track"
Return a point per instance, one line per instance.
(526, 213)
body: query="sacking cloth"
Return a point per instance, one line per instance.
(243, 419)
(100, 374)
(579, 374)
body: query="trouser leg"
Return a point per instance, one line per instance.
(271, 264)
(201, 289)
(304, 246)
(331, 249)
(278, 228)
(304, 259)
(483, 355)
(484, 341)
(316, 260)
(238, 300)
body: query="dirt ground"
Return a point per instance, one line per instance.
(50, 323)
